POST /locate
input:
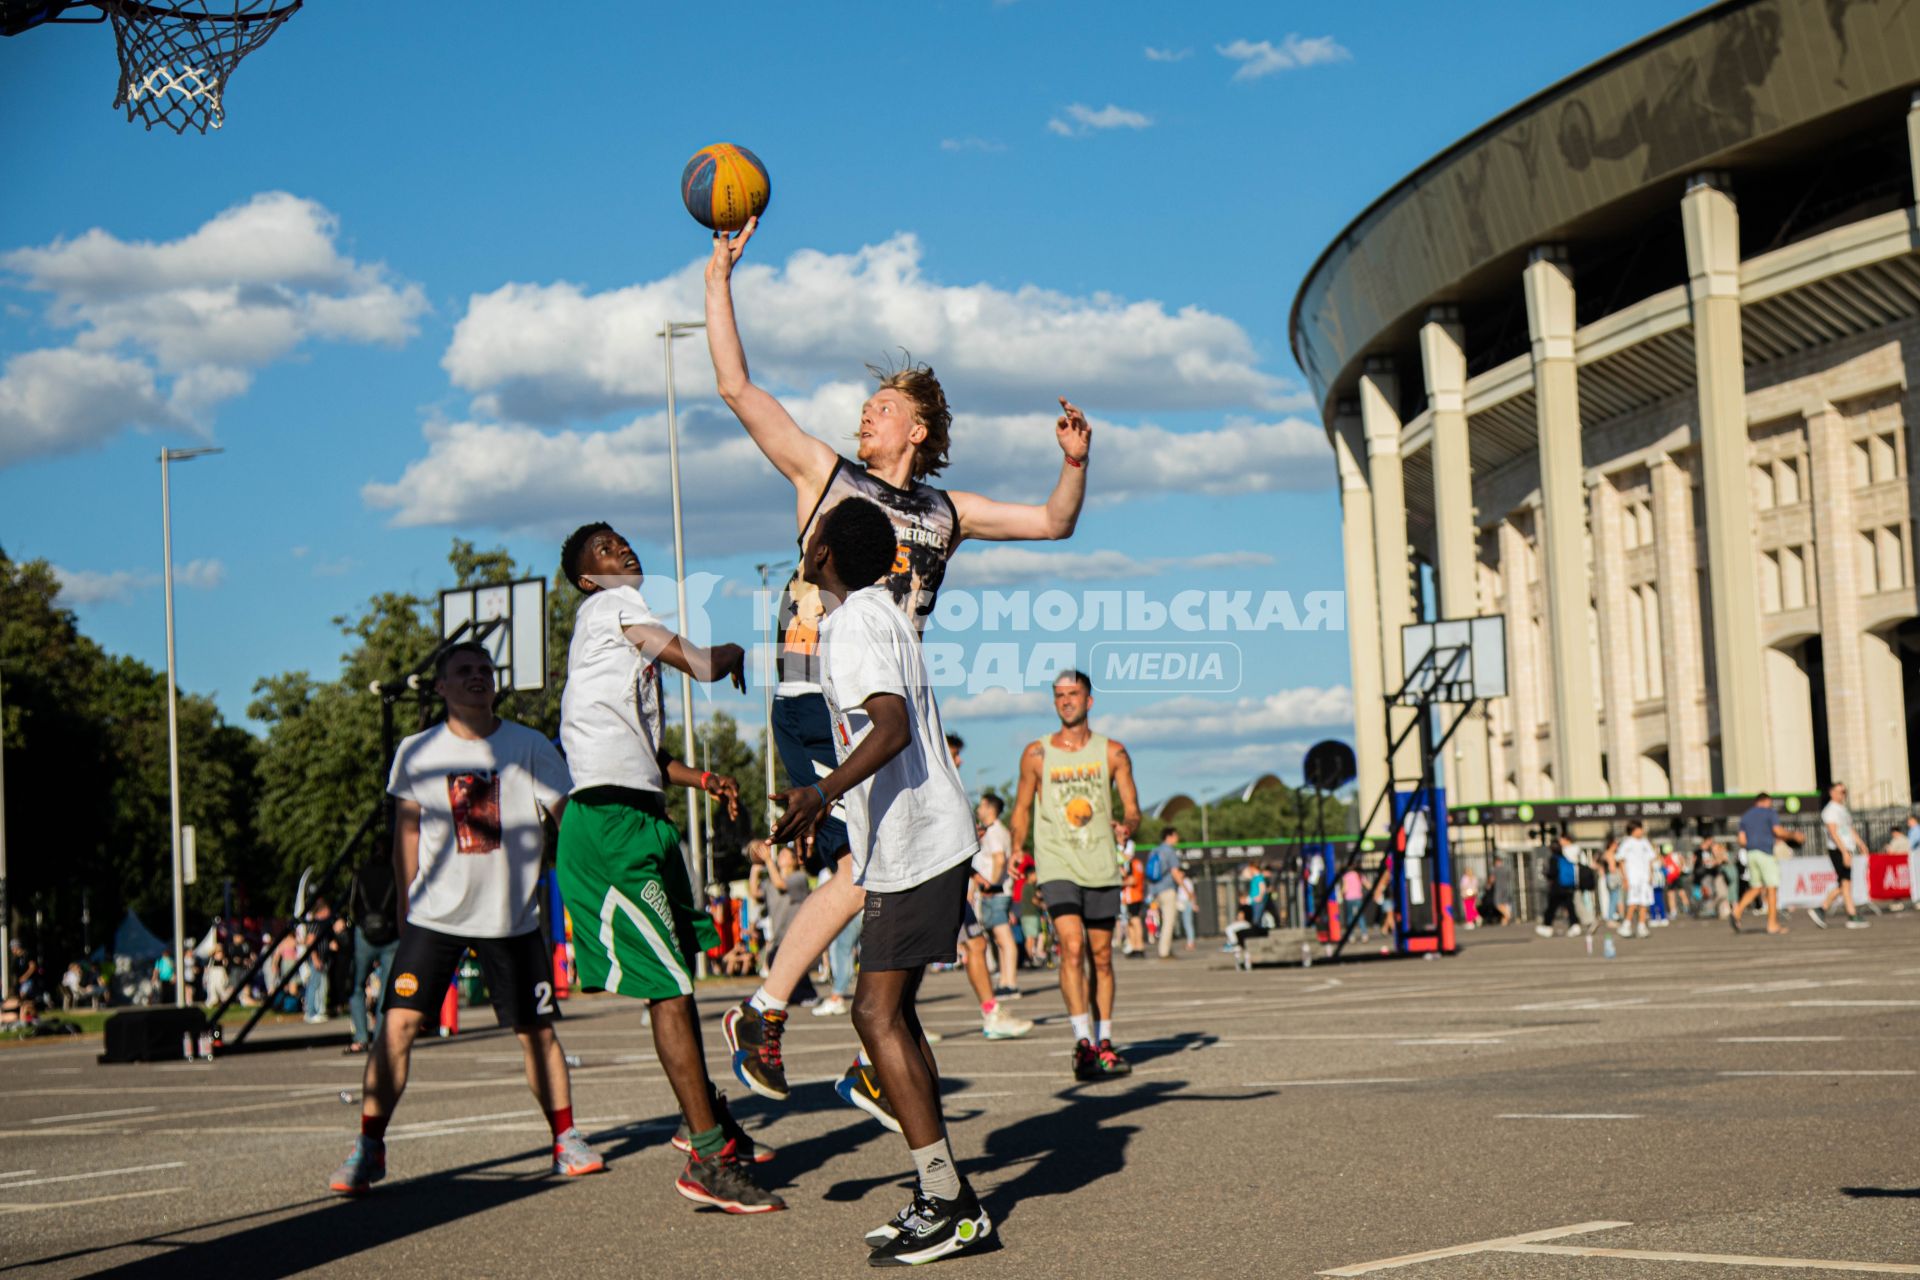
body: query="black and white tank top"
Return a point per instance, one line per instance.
(928, 528)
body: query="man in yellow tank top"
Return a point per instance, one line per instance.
(1067, 783)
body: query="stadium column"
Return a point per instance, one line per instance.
(1363, 606)
(1445, 364)
(1380, 417)
(1523, 703)
(1616, 649)
(1837, 570)
(1712, 227)
(1563, 539)
(1676, 560)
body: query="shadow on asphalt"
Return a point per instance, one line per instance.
(1882, 1193)
(330, 1228)
(1058, 1152)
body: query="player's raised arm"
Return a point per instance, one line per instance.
(801, 458)
(1054, 519)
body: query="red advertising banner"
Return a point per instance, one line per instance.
(1890, 877)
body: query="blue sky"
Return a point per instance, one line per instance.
(411, 287)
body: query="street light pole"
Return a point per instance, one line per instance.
(168, 456)
(696, 863)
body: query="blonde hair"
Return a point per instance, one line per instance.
(918, 384)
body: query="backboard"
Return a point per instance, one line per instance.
(1460, 660)
(512, 620)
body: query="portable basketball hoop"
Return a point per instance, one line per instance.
(175, 60)
(510, 619)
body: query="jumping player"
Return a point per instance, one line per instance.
(911, 851)
(903, 438)
(1067, 779)
(622, 872)
(469, 794)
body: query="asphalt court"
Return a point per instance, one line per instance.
(1703, 1105)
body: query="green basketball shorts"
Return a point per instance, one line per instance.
(636, 930)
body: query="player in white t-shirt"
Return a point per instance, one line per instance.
(995, 890)
(910, 848)
(468, 839)
(637, 930)
(1636, 856)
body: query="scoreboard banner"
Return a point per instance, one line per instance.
(1529, 812)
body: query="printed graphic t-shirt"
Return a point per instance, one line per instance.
(480, 833)
(911, 820)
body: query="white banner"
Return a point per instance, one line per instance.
(1805, 882)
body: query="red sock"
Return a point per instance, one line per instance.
(561, 1120)
(374, 1127)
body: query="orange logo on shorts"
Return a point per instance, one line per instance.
(1079, 811)
(405, 985)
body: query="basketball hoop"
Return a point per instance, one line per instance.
(175, 59)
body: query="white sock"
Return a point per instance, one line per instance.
(1106, 1030)
(1082, 1026)
(764, 1003)
(862, 1058)
(939, 1176)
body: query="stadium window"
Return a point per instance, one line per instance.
(1769, 582)
(1862, 465)
(1868, 562)
(1650, 611)
(1793, 578)
(1786, 481)
(1763, 487)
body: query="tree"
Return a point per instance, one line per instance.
(88, 813)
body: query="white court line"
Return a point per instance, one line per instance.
(23, 1207)
(1719, 1259)
(1820, 1073)
(100, 1173)
(1294, 1084)
(93, 1115)
(1781, 1039)
(20, 1173)
(1571, 1115)
(1853, 1004)
(1483, 1246)
(1461, 1040)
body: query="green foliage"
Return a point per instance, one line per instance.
(88, 813)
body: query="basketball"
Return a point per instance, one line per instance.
(724, 185)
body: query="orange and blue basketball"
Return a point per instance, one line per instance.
(724, 185)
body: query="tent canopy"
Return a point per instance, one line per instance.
(136, 942)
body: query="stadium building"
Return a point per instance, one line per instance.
(1637, 366)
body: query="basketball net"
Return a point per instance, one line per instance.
(175, 59)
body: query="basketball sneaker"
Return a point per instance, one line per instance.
(931, 1228)
(1111, 1063)
(861, 1087)
(1086, 1061)
(754, 1039)
(725, 1181)
(743, 1145)
(1001, 1025)
(572, 1157)
(1819, 920)
(366, 1166)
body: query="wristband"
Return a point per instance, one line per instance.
(1074, 462)
(706, 780)
(823, 796)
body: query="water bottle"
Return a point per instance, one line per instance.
(1306, 955)
(1589, 944)
(1607, 948)
(186, 1045)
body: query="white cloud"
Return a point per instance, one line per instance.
(64, 401)
(1168, 55)
(1241, 763)
(91, 586)
(1000, 565)
(1081, 120)
(971, 144)
(202, 313)
(1196, 721)
(1263, 57)
(996, 704)
(548, 352)
(509, 475)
